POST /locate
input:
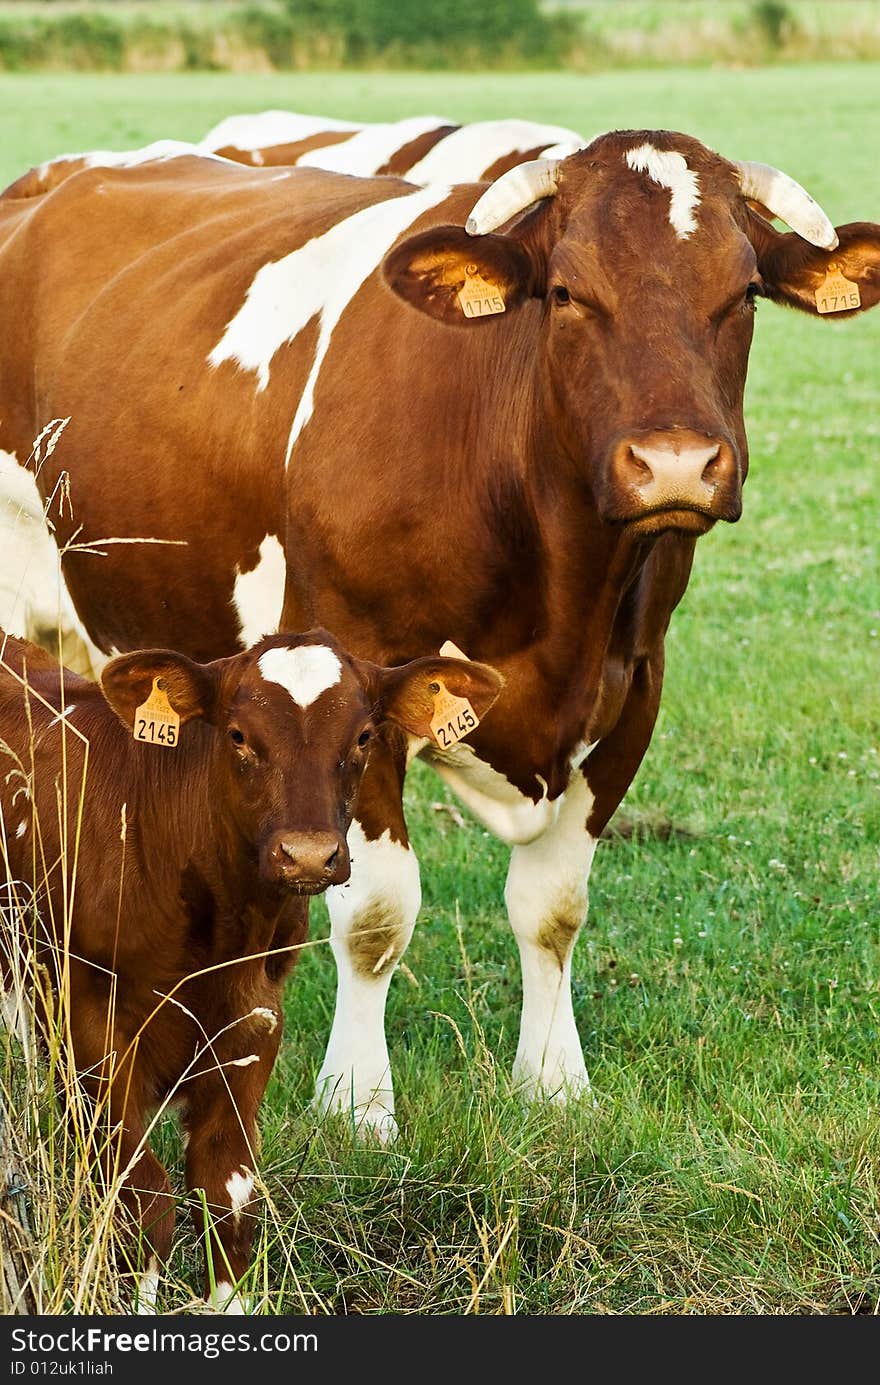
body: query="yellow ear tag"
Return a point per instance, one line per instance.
(477, 297)
(155, 720)
(452, 651)
(453, 717)
(837, 294)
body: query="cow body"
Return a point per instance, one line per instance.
(321, 448)
(171, 891)
(423, 149)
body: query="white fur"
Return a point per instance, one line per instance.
(305, 672)
(258, 595)
(367, 151)
(355, 1075)
(240, 1187)
(498, 804)
(148, 1289)
(467, 153)
(34, 599)
(262, 130)
(21, 829)
(223, 1300)
(670, 170)
(319, 279)
(546, 881)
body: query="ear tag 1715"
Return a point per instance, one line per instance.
(477, 297)
(155, 721)
(836, 293)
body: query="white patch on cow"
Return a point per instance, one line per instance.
(35, 603)
(305, 672)
(270, 1017)
(318, 280)
(148, 1289)
(546, 897)
(258, 595)
(372, 147)
(372, 918)
(498, 804)
(157, 152)
(225, 1300)
(20, 830)
(265, 128)
(468, 152)
(670, 170)
(240, 1187)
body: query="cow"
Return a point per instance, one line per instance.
(424, 149)
(499, 415)
(203, 804)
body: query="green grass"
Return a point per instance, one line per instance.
(726, 985)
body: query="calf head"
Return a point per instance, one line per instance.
(294, 719)
(647, 255)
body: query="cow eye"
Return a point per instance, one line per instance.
(236, 736)
(364, 736)
(561, 295)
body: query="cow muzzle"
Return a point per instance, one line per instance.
(674, 479)
(306, 862)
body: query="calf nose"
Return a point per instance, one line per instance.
(679, 469)
(312, 860)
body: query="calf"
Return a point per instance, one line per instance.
(215, 800)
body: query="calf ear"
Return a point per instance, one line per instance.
(405, 695)
(430, 270)
(127, 681)
(793, 270)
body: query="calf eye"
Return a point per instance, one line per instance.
(236, 736)
(364, 737)
(561, 295)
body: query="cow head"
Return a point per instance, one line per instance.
(646, 256)
(294, 719)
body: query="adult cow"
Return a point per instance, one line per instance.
(276, 368)
(424, 148)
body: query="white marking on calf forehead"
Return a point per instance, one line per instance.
(367, 151)
(305, 672)
(265, 128)
(465, 155)
(319, 279)
(670, 170)
(258, 595)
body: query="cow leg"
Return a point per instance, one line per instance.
(546, 896)
(372, 919)
(221, 1124)
(145, 1193)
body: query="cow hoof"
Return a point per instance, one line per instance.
(377, 1124)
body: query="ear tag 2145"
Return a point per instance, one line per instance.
(477, 297)
(836, 293)
(155, 721)
(453, 716)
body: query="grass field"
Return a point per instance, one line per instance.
(727, 985)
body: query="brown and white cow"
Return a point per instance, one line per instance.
(275, 368)
(424, 148)
(173, 893)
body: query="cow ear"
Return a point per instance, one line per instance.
(795, 272)
(405, 695)
(430, 270)
(191, 688)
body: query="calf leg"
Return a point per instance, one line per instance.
(145, 1194)
(220, 1158)
(546, 896)
(372, 919)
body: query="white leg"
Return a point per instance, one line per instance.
(546, 896)
(224, 1300)
(372, 918)
(148, 1289)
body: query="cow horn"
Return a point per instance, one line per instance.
(786, 199)
(519, 187)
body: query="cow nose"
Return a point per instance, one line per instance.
(311, 860)
(679, 469)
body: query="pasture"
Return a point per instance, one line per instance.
(727, 986)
